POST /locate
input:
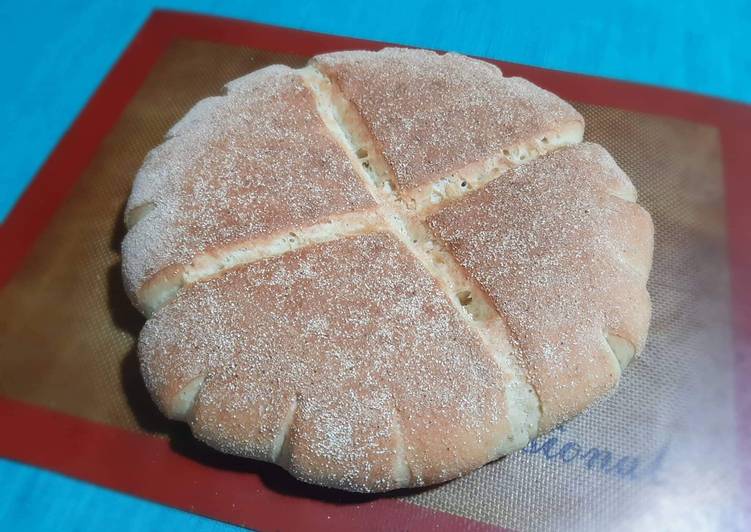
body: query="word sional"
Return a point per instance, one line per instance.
(555, 447)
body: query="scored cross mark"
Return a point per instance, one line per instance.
(400, 213)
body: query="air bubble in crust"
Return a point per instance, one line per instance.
(464, 297)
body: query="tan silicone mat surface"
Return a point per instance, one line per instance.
(658, 453)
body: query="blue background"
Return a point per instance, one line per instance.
(56, 53)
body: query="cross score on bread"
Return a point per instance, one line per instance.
(384, 269)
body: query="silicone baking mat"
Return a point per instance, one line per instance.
(668, 450)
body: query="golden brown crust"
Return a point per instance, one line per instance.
(345, 263)
(564, 260)
(256, 161)
(390, 387)
(433, 115)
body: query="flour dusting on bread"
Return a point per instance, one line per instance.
(385, 269)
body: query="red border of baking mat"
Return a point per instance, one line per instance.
(146, 466)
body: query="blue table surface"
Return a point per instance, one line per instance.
(56, 53)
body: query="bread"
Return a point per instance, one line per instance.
(385, 269)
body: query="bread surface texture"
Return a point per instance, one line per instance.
(385, 269)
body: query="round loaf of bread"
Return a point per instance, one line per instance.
(385, 269)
